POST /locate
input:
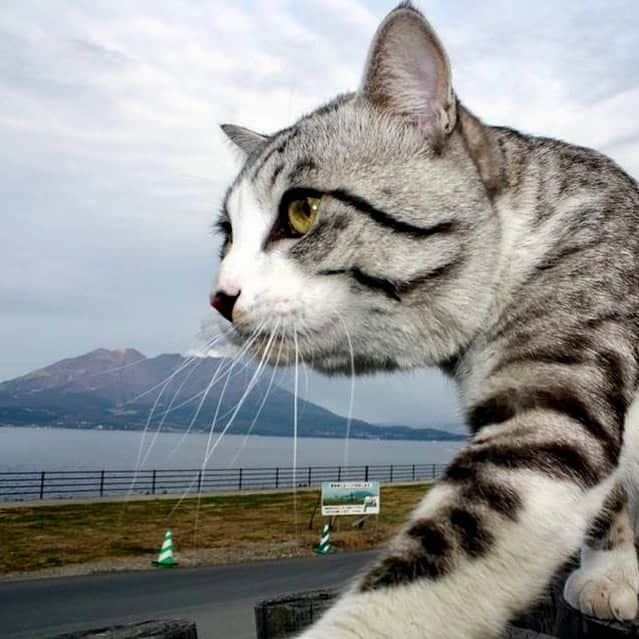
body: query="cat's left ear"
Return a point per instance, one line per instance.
(246, 140)
(407, 72)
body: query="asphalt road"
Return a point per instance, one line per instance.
(219, 599)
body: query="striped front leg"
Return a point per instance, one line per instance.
(483, 544)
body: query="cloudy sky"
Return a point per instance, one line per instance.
(112, 165)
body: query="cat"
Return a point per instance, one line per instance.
(391, 229)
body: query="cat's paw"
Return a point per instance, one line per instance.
(606, 586)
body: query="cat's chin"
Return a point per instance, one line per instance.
(284, 351)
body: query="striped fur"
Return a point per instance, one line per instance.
(506, 259)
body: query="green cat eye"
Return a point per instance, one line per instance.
(302, 214)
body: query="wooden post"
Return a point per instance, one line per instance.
(42, 485)
(102, 483)
(153, 477)
(287, 615)
(366, 473)
(162, 629)
(310, 469)
(277, 477)
(239, 482)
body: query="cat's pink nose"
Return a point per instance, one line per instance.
(224, 303)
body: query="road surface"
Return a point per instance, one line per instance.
(219, 599)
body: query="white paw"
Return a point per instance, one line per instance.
(606, 585)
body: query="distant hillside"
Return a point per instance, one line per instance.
(118, 389)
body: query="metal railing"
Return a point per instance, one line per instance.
(54, 484)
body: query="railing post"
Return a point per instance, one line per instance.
(153, 478)
(199, 481)
(277, 477)
(239, 483)
(42, 485)
(391, 474)
(339, 473)
(433, 472)
(310, 470)
(366, 473)
(101, 483)
(413, 472)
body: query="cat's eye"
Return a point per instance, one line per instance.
(302, 213)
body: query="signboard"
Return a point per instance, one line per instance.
(350, 498)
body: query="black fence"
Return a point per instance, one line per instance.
(19, 486)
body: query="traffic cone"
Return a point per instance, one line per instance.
(165, 558)
(324, 546)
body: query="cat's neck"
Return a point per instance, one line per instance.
(534, 207)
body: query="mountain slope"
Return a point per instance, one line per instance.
(123, 389)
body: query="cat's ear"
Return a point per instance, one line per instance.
(246, 140)
(407, 72)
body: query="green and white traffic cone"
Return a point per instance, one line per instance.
(324, 546)
(165, 558)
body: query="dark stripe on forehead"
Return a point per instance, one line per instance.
(301, 166)
(384, 219)
(279, 144)
(278, 169)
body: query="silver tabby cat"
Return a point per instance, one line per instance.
(391, 229)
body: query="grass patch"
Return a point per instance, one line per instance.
(227, 528)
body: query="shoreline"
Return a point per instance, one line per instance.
(167, 430)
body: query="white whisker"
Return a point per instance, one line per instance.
(228, 372)
(349, 418)
(246, 393)
(185, 363)
(117, 369)
(217, 376)
(295, 391)
(168, 410)
(186, 402)
(259, 410)
(210, 448)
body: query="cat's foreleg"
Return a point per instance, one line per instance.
(485, 541)
(607, 582)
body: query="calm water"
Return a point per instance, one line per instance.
(66, 449)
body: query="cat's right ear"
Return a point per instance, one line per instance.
(249, 142)
(407, 73)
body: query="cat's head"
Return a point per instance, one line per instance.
(364, 234)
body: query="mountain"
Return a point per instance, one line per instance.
(123, 389)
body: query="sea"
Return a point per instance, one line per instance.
(37, 449)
